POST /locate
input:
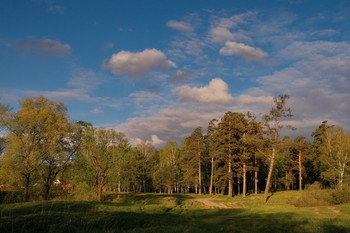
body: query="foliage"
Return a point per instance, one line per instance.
(237, 155)
(10, 196)
(341, 196)
(335, 155)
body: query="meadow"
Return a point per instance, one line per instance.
(174, 213)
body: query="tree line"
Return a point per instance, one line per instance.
(234, 155)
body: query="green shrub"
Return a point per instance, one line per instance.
(341, 196)
(313, 195)
(7, 197)
(83, 192)
(306, 201)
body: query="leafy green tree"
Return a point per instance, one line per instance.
(336, 153)
(212, 145)
(145, 149)
(37, 141)
(230, 132)
(192, 148)
(248, 156)
(2, 145)
(313, 163)
(273, 125)
(4, 115)
(302, 149)
(168, 166)
(99, 149)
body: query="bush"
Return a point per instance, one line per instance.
(7, 197)
(313, 195)
(341, 196)
(83, 192)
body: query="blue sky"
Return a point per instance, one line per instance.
(156, 70)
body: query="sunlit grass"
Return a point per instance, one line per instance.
(174, 213)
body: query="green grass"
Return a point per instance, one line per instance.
(173, 213)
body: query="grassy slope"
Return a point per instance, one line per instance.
(177, 213)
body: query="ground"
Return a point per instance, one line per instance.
(174, 213)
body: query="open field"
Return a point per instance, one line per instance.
(174, 213)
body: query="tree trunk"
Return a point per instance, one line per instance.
(99, 187)
(300, 171)
(238, 186)
(46, 191)
(199, 171)
(211, 176)
(256, 180)
(244, 191)
(269, 176)
(230, 184)
(26, 189)
(342, 171)
(286, 182)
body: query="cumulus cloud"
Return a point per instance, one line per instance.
(216, 92)
(172, 123)
(246, 51)
(181, 76)
(44, 47)
(138, 64)
(221, 35)
(156, 141)
(180, 26)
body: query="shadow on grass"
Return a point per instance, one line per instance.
(131, 198)
(92, 217)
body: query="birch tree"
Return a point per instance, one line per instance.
(336, 153)
(273, 125)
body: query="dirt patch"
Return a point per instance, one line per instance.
(334, 210)
(316, 211)
(208, 202)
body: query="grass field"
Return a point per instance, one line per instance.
(174, 213)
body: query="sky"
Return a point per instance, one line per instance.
(157, 69)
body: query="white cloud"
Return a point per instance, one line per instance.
(221, 35)
(145, 97)
(181, 76)
(138, 64)
(156, 141)
(248, 52)
(64, 95)
(317, 79)
(96, 111)
(179, 25)
(44, 47)
(249, 100)
(171, 123)
(216, 92)
(85, 79)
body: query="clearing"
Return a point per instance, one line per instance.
(174, 213)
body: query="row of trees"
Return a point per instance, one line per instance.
(236, 155)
